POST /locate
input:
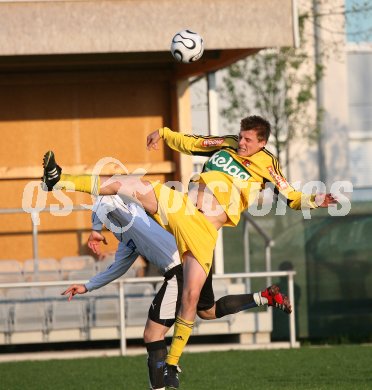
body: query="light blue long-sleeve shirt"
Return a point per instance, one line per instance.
(138, 234)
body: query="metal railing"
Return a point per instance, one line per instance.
(34, 213)
(121, 282)
(269, 243)
(248, 219)
(35, 218)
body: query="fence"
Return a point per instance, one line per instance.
(122, 282)
(34, 213)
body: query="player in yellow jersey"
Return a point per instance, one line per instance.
(236, 171)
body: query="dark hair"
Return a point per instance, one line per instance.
(257, 123)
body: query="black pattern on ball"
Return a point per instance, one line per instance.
(187, 46)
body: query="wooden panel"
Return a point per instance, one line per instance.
(82, 120)
(109, 169)
(59, 235)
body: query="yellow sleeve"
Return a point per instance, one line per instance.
(196, 144)
(296, 200)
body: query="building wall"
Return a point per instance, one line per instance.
(359, 64)
(93, 26)
(82, 116)
(345, 40)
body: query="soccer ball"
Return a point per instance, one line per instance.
(187, 46)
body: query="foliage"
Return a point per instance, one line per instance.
(279, 85)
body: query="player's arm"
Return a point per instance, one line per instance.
(189, 143)
(296, 200)
(98, 209)
(94, 241)
(96, 237)
(73, 290)
(124, 258)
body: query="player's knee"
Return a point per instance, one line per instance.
(190, 297)
(207, 314)
(149, 336)
(154, 331)
(204, 315)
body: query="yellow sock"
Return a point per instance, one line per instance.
(182, 332)
(80, 183)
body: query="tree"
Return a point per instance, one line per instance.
(279, 83)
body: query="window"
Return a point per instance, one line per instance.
(359, 65)
(358, 21)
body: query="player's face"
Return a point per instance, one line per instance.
(249, 143)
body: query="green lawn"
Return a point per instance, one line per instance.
(341, 367)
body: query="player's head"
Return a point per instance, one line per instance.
(253, 136)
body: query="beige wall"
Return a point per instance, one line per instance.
(334, 94)
(332, 98)
(55, 27)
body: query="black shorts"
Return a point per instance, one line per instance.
(167, 301)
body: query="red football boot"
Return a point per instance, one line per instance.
(276, 299)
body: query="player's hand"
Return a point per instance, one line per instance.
(152, 140)
(73, 290)
(325, 200)
(94, 241)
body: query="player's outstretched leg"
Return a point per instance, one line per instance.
(275, 298)
(235, 303)
(53, 178)
(132, 186)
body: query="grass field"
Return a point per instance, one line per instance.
(341, 367)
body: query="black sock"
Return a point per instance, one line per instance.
(231, 304)
(156, 354)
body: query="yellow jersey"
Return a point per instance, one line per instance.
(234, 180)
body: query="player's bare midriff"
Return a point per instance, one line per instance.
(208, 204)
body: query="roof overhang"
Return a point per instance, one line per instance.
(48, 34)
(47, 27)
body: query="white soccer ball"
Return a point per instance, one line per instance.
(187, 46)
